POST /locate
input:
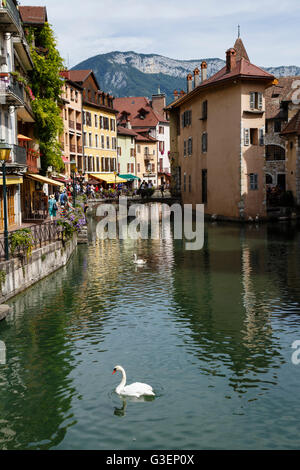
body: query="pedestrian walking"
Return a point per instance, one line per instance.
(52, 206)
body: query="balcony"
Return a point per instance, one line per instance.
(149, 157)
(11, 91)
(10, 20)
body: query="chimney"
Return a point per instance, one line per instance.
(196, 77)
(230, 59)
(128, 125)
(175, 92)
(159, 104)
(189, 79)
(203, 71)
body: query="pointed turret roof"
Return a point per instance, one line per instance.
(240, 50)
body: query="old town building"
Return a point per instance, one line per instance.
(217, 138)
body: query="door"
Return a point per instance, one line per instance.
(281, 181)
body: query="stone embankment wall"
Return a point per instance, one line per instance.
(21, 274)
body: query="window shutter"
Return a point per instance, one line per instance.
(261, 136)
(260, 100)
(252, 100)
(183, 119)
(184, 148)
(246, 137)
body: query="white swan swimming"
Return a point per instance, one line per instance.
(137, 389)
(139, 261)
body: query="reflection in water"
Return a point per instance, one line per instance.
(210, 330)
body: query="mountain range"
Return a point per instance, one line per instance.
(134, 74)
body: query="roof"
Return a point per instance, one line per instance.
(78, 76)
(240, 50)
(243, 69)
(282, 91)
(132, 106)
(125, 131)
(293, 127)
(33, 15)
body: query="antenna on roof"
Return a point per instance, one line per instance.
(239, 31)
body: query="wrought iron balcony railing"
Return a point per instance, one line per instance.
(9, 16)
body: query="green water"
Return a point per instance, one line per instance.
(211, 331)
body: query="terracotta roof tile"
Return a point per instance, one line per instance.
(275, 94)
(33, 15)
(132, 105)
(293, 127)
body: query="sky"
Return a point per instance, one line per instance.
(189, 29)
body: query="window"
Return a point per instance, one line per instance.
(190, 183)
(97, 141)
(204, 142)
(102, 141)
(204, 110)
(184, 148)
(275, 152)
(84, 117)
(269, 179)
(254, 136)
(256, 100)
(186, 118)
(139, 167)
(261, 136)
(101, 122)
(96, 120)
(161, 146)
(184, 182)
(161, 130)
(139, 149)
(119, 151)
(84, 139)
(253, 181)
(90, 140)
(88, 119)
(113, 143)
(190, 146)
(246, 137)
(112, 124)
(277, 126)
(204, 186)
(107, 142)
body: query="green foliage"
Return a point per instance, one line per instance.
(21, 240)
(2, 278)
(46, 85)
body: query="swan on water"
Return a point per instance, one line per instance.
(137, 389)
(138, 261)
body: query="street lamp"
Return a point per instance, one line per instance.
(5, 150)
(73, 171)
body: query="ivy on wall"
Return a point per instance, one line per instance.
(46, 85)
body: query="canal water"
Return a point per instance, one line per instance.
(211, 330)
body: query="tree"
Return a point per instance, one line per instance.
(46, 84)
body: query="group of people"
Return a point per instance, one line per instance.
(58, 201)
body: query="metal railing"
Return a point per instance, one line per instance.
(42, 234)
(11, 7)
(10, 87)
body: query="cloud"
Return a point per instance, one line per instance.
(181, 30)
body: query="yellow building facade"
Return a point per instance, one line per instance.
(100, 139)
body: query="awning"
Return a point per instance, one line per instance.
(23, 137)
(12, 180)
(44, 179)
(129, 177)
(110, 178)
